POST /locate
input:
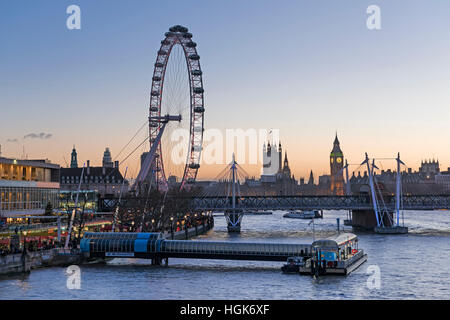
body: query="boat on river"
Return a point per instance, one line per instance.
(391, 230)
(293, 265)
(307, 214)
(339, 255)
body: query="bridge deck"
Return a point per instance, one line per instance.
(410, 202)
(298, 202)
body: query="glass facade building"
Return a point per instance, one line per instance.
(27, 186)
(87, 200)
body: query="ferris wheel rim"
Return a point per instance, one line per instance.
(179, 35)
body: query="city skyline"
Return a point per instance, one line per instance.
(383, 91)
(387, 162)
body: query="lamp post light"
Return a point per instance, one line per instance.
(153, 225)
(24, 241)
(171, 227)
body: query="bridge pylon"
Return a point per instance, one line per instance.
(234, 218)
(234, 215)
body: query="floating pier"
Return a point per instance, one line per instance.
(153, 246)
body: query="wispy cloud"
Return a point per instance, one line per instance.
(12, 140)
(41, 135)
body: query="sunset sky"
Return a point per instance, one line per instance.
(307, 68)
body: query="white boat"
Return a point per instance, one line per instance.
(300, 214)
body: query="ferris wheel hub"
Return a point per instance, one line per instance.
(166, 118)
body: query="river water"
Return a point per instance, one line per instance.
(413, 266)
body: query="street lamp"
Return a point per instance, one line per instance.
(24, 240)
(171, 226)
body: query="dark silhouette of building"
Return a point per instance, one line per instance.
(429, 169)
(107, 160)
(107, 179)
(73, 158)
(336, 166)
(311, 179)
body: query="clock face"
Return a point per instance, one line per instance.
(339, 160)
(331, 160)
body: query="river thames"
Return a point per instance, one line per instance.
(413, 266)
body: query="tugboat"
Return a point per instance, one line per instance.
(293, 265)
(337, 255)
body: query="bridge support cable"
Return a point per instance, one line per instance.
(372, 188)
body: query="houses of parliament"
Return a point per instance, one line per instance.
(277, 179)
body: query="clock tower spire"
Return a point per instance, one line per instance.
(336, 166)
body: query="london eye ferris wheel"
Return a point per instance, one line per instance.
(177, 89)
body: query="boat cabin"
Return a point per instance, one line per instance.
(336, 255)
(337, 248)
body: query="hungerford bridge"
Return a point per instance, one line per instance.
(251, 203)
(362, 202)
(299, 202)
(353, 203)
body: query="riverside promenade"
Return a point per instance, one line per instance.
(24, 263)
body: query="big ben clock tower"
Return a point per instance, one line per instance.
(336, 165)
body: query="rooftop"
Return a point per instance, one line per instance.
(32, 163)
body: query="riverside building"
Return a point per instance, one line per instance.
(27, 187)
(105, 180)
